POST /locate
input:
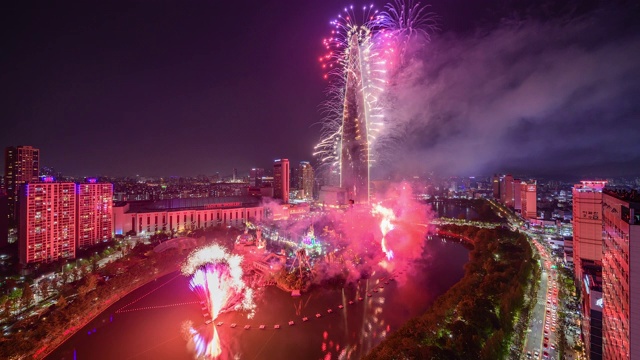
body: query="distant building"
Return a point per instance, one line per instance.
(621, 275)
(306, 180)
(587, 224)
(281, 180)
(94, 212)
(21, 166)
(4, 219)
(176, 215)
(47, 222)
(255, 177)
(506, 190)
(528, 199)
(495, 183)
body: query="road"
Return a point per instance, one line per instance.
(541, 341)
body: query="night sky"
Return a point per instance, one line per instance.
(162, 88)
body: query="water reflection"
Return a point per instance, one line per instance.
(359, 320)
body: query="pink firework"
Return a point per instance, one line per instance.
(216, 277)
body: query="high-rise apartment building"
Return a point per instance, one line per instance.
(94, 212)
(21, 165)
(306, 179)
(587, 225)
(47, 222)
(621, 275)
(281, 180)
(528, 199)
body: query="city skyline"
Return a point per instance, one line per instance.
(181, 94)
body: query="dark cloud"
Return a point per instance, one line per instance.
(543, 96)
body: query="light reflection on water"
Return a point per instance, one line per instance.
(156, 330)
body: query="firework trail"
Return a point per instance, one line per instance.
(363, 52)
(216, 278)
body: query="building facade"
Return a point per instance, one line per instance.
(255, 177)
(528, 199)
(281, 180)
(587, 225)
(506, 191)
(179, 215)
(94, 213)
(621, 275)
(21, 166)
(47, 222)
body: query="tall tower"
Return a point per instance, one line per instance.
(281, 180)
(94, 212)
(21, 165)
(354, 157)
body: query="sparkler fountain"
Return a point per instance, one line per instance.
(216, 278)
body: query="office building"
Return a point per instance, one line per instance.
(528, 199)
(306, 180)
(21, 166)
(621, 275)
(587, 225)
(255, 177)
(281, 180)
(506, 191)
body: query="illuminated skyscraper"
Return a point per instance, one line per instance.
(281, 180)
(21, 165)
(354, 157)
(47, 222)
(306, 179)
(94, 212)
(621, 275)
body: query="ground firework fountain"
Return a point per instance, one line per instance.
(216, 278)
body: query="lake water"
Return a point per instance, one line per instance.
(150, 321)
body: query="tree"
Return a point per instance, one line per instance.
(62, 302)
(43, 287)
(26, 300)
(90, 282)
(94, 263)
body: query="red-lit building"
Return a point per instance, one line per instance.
(528, 199)
(587, 225)
(47, 222)
(94, 213)
(621, 275)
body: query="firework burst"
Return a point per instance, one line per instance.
(365, 48)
